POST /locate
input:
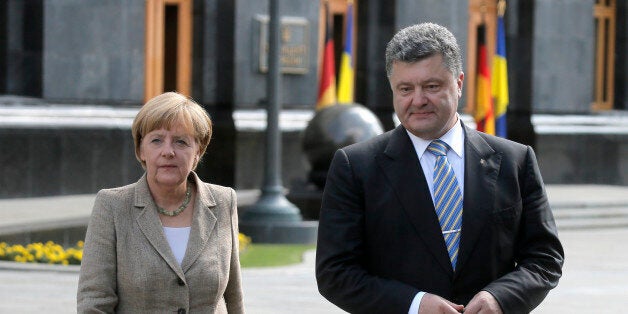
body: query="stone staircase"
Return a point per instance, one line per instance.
(589, 206)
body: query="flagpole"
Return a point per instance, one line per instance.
(272, 206)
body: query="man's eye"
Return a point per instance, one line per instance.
(432, 87)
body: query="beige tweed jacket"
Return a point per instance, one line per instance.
(128, 266)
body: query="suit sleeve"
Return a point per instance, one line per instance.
(539, 253)
(341, 270)
(233, 293)
(97, 280)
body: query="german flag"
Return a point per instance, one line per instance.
(484, 118)
(327, 85)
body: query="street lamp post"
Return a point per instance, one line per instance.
(272, 206)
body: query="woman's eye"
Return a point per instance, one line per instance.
(182, 142)
(155, 140)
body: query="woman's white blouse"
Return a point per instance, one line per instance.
(178, 240)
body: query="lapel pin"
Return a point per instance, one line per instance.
(483, 162)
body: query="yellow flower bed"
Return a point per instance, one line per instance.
(244, 241)
(48, 253)
(52, 253)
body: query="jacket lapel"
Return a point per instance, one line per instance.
(400, 164)
(482, 166)
(203, 223)
(150, 225)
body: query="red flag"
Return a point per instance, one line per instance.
(327, 85)
(484, 118)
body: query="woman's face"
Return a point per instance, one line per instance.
(169, 155)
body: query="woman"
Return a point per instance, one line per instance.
(169, 242)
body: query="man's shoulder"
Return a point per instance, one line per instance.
(372, 145)
(511, 152)
(495, 142)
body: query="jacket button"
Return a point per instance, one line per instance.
(180, 282)
(181, 311)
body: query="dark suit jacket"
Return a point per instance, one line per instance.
(379, 240)
(128, 266)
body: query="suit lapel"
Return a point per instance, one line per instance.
(150, 225)
(400, 164)
(482, 166)
(203, 223)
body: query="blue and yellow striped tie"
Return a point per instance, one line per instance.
(447, 199)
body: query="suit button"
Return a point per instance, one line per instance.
(180, 282)
(181, 311)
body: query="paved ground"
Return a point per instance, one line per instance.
(595, 280)
(590, 220)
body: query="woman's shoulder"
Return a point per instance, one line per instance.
(118, 190)
(117, 193)
(218, 189)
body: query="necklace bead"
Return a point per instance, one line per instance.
(186, 202)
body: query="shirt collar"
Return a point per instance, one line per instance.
(454, 138)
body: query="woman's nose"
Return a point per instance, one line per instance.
(168, 151)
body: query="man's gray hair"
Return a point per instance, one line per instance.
(420, 41)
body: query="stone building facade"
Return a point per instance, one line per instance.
(73, 74)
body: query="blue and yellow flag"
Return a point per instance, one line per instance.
(345, 83)
(500, 77)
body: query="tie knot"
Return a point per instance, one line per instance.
(438, 148)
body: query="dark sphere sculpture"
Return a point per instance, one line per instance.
(332, 128)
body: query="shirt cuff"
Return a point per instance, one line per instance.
(416, 302)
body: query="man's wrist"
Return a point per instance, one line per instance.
(416, 303)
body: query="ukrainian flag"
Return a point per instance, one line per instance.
(345, 83)
(500, 78)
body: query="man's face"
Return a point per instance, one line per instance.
(425, 96)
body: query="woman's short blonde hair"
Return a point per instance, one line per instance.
(167, 110)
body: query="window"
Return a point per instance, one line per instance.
(168, 57)
(604, 15)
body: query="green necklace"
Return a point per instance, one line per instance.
(186, 201)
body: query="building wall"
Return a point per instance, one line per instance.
(564, 56)
(94, 52)
(249, 90)
(41, 159)
(92, 57)
(21, 47)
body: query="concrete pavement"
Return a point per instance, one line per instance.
(595, 280)
(592, 220)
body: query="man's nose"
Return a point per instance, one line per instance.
(419, 98)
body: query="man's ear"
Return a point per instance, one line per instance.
(460, 81)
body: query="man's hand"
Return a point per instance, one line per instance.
(432, 303)
(483, 302)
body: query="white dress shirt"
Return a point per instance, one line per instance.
(455, 139)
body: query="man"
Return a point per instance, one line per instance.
(386, 242)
